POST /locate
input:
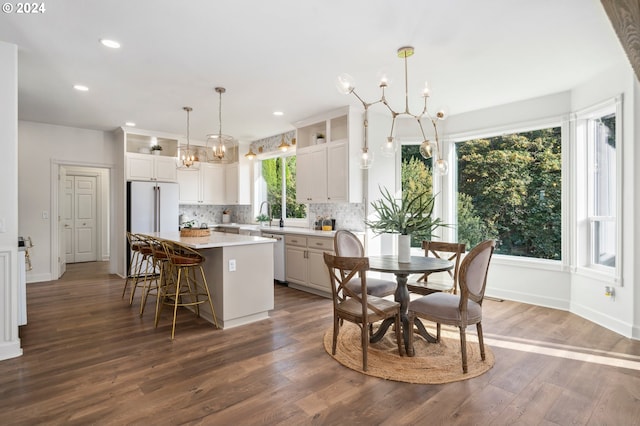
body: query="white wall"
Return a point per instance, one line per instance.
(43, 148)
(549, 283)
(9, 339)
(622, 313)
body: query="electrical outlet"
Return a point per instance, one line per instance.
(45, 214)
(232, 265)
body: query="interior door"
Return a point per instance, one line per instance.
(85, 247)
(62, 224)
(66, 217)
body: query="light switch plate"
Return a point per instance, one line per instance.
(232, 265)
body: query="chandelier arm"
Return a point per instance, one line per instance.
(393, 124)
(406, 87)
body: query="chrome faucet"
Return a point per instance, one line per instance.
(268, 210)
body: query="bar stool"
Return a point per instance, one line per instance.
(160, 260)
(184, 288)
(139, 251)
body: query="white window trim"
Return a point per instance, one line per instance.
(583, 261)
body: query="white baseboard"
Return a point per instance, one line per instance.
(38, 278)
(606, 321)
(10, 350)
(532, 299)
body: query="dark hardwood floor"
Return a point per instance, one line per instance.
(89, 359)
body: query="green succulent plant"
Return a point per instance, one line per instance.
(409, 215)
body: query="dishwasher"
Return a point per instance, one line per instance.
(278, 256)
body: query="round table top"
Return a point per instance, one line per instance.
(418, 264)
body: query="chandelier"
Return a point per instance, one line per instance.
(218, 143)
(345, 85)
(187, 156)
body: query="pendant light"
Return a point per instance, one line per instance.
(186, 156)
(218, 144)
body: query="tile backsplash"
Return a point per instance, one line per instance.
(213, 214)
(347, 215)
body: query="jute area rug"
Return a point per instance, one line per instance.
(434, 363)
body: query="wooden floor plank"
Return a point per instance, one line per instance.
(89, 358)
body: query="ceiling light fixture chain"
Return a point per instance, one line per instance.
(345, 85)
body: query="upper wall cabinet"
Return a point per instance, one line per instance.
(143, 163)
(327, 151)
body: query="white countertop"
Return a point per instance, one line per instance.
(276, 229)
(216, 239)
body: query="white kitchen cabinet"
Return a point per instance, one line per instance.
(338, 172)
(305, 267)
(151, 167)
(329, 172)
(311, 175)
(203, 186)
(238, 183)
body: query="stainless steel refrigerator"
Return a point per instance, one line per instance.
(151, 207)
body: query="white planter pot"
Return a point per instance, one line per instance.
(404, 248)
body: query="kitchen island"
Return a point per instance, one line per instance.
(239, 273)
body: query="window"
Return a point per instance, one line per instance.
(416, 176)
(601, 134)
(279, 176)
(509, 189)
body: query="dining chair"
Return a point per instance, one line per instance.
(358, 308)
(347, 244)
(440, 281)
(462, 309)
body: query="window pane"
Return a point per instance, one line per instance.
(272, 175)
(294, 210)
(416, 176)
(509, 189)
(276, 172)
(604, 191)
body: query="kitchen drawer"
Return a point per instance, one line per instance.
(320, 243)
(295, 240)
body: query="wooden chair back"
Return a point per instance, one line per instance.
(442, 250)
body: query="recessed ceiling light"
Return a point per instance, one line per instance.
(81, 87)
(110, 43)
(278, 113)
(130, 124)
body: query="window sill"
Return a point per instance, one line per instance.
(528, 262)
(599, 274)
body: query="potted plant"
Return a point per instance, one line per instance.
(320, 138)
(262, 218)
(409, 216)
(155, 149)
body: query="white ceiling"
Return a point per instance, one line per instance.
(285, 55)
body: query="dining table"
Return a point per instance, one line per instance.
(402, 270)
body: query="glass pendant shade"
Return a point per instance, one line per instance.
(442, 167)
(389, 147)
(345, 84)
(366, 159)
(425, 149)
